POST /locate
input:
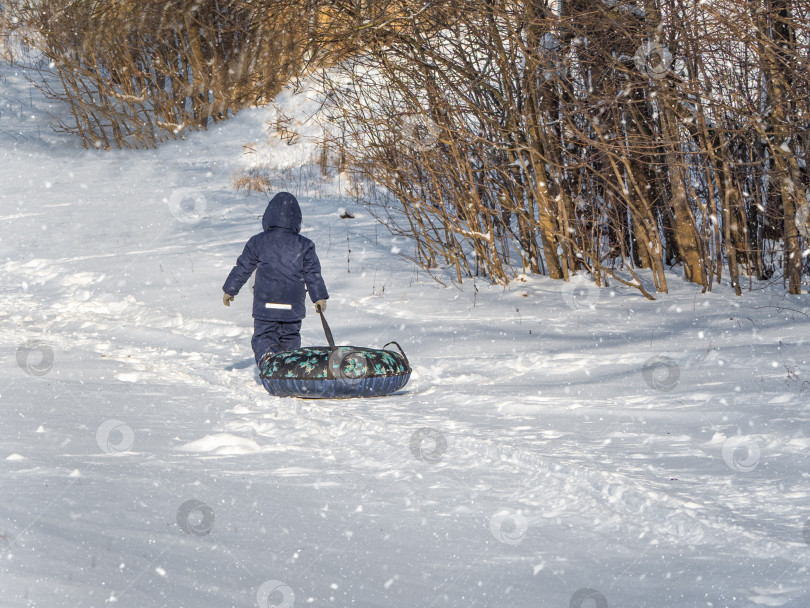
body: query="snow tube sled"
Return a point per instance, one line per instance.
(335, 372)
(322, 372)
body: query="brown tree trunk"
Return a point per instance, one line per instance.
(776, 57)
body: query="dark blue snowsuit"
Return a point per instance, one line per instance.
(286, 265)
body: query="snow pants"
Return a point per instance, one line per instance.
(274, 336)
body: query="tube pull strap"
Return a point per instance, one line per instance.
(327, 331)
(404, 356)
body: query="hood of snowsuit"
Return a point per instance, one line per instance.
(282, 212)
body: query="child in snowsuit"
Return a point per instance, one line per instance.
(286, 262)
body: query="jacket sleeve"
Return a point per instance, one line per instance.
(245, 266)
(312, 273)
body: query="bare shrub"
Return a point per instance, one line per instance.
(612, 137)
(137, 73)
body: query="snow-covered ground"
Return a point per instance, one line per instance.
(557, 446)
